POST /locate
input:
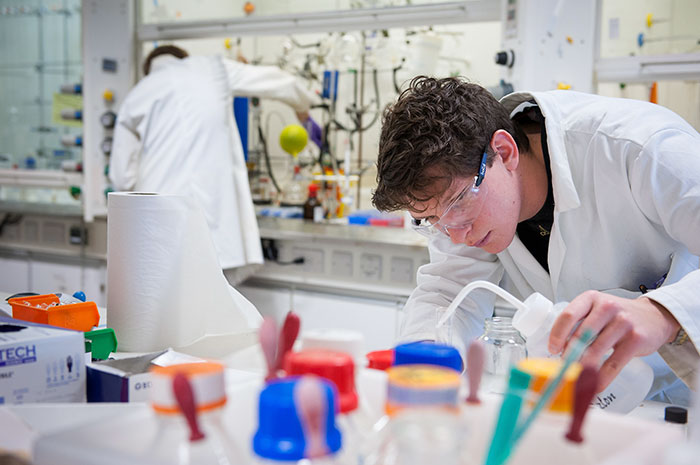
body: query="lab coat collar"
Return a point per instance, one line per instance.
(565, 195)
(162, 61)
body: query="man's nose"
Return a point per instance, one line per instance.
(459, 235)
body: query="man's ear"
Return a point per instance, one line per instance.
(504, 145)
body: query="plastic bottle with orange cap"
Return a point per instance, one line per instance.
(188, 400)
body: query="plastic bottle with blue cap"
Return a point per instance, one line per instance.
(353, 418)
(296, 422)
(428, 353)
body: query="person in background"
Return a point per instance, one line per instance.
(562, 193)
(176, 134)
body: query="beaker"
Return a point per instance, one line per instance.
(504, 347)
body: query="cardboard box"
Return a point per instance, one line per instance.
(40, 363)
(122, 380)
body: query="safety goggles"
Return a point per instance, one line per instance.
(462, 211)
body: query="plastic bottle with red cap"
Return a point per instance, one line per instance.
(354, 420)
(380, 359)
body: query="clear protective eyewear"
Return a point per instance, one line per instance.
(461, 212)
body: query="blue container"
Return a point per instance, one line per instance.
(428, 353)
(280, 435)
(330, 85)
(240, 113)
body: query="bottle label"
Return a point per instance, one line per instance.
(318, 214)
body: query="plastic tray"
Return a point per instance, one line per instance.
(102, 343)
(80, 317)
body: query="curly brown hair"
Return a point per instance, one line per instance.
(177, 52)
(436, 131)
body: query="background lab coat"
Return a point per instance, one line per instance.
(626, 181)
(176, 134)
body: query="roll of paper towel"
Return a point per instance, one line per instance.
(165, 287)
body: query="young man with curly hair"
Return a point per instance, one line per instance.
(561, 193)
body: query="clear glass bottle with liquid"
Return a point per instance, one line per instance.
(294, 192)
(504, 347)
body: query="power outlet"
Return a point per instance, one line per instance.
(402, 270)
(341, 264)
(313, 260)
(371, 266)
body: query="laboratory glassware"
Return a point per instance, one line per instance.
(504, 347)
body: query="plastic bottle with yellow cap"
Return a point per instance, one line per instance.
(178, 440)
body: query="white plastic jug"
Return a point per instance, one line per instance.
(534, 322)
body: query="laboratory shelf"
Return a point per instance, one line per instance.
(290, 229)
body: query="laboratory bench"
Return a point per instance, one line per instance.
(60, 425)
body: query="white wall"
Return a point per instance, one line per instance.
(623, 20)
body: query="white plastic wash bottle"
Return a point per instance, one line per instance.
(534, 321)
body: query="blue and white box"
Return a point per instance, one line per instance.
(40, 363)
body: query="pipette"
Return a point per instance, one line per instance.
(500, 447)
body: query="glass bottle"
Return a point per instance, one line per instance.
(504, 347)
(313, 209)
(294, 192)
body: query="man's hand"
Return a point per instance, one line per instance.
(631, 327)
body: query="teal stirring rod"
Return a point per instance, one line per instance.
(552, 387)
(499, 449)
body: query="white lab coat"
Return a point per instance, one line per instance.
(626, 181)
(176, 134)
